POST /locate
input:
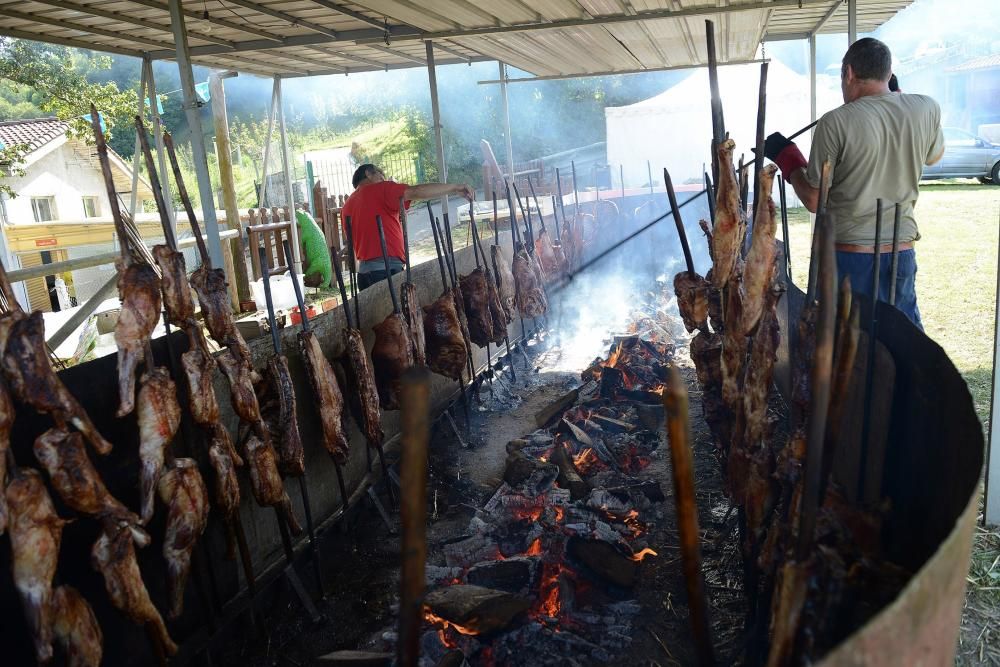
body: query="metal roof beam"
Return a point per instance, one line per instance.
(125, 18)
(441, 47)
(201, 16)
(69, 41)
(826, 17)
(78, 27)
(285, 16)
(353, 36)
(556, 77)
(398, 54)
(476, 59)
(786, 37)
(357, 16)
(614, 18)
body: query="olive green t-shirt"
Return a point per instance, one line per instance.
(877, 146)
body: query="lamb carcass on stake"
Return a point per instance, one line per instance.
(31, 378)
(183, 491)
(329, 398)
(505, 280)
(64, 457)
(730, 222)
(446, 351)
(139, 290)
(265, 481)
(363, 379)
(113, 555)
(392, 355)
(414, 322)
(758, 271)
(159, 418)
(476, 298)
(531, 301)
(276, 396)
(6, 423)
(692, 293)
(35, 535)
(177, 299)
(75, 628)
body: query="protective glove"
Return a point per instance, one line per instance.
(784, 153)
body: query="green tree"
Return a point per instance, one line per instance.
(11, 164)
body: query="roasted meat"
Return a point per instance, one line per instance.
(265, 480)
(730, 223)
(475, 294)
(183, 491)
(414, 322)
(363, 378)
(757, 386)
(159, 417)
(706, 353)
(505, 280)
(692, 300)
(446, 350)
(113, 555)
(531, 300)
(210, 286)
(64, 457)
(242, 379)
(177, 299)
(545, 253)
(139, 290)
(329, 399)
(6, 423)
(28, 370)
(463, 320)
(761, 494)
(498, 314)
(35, 535)
(75, 628)
(392, 355)
(734, 349)
(227, 486)
(199, 371)
(278, 409)
(758, 271)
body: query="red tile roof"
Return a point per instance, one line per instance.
(35, 132)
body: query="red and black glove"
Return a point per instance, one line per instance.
(784, 153)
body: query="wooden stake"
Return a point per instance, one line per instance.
(675, 212)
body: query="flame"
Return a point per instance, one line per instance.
(528, 513)
(642, 554)
(535, 549)
(443, 625)
(585, 460)
(613, 359)
(549, 602)
(560, 513)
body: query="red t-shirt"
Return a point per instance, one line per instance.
(362, 206)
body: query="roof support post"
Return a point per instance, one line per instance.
(852, 21)
(992, 500)
(137, 155)
(436, 115)
(506, 124)
(20, 292)
(161, 151)
(812, 77)
(224, 152)
(192, 109)
(286, 161)
(262, 201)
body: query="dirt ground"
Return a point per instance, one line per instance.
(361, 561)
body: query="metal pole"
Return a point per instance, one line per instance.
(137, 156)
(267, 145)
(192, 108)
(506, 121)
(436, 116)
(216, 83)
(161, 152)
(812, 78)
(852, 21)
(992, 500)
(286, 159)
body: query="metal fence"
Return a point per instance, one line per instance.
(335, 175)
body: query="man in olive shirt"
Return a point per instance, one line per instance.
(877, 144)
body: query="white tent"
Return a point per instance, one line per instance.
(674, 129)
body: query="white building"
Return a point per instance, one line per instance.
(61, 210)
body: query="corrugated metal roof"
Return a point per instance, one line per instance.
(543, 37)
(982, 62)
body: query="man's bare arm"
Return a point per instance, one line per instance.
(806, 192)
(435, 190)
(936, 158)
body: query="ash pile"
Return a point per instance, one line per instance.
(547, 569)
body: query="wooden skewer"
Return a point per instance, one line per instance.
(848, 332)
(406, 238)
(822, 371)
(894, 266)
(718, 121)
(109, 184)
(711, 198)
(388, 272)
(168, 142)
(154, 181)
(676, 214)
(866, 418)
(675, 403)
(414, 398)
(758, 163)
(821, 209)
(353, 267)
(787, 246)
(440, 256)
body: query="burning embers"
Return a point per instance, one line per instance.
(548, 565)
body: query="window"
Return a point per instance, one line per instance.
(955, 137)
(91, 207)
(44, 208)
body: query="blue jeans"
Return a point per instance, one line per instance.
(859, 266)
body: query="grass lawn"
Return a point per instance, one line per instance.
(956, 292)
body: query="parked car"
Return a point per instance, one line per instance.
(966, 156)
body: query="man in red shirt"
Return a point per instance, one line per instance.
(374, 195)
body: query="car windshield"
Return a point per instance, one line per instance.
(956, 137)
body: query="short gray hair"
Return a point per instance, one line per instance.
(869, 58)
